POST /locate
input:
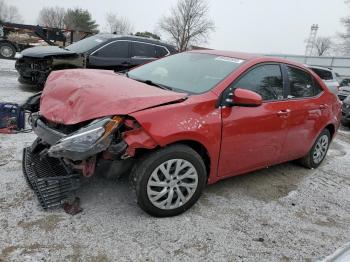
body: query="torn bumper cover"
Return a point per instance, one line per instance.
(61, 154)
(52, 181)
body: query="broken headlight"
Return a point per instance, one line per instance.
(87, 141)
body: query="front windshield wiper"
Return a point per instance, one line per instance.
(151, 83)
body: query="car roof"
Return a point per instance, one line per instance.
(249, 56)
(112, 37)
(239, 55)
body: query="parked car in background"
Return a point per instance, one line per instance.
(180, 123)
(346, 112)
(344, 89)
(328, 76)
(101, 51)
(345, 82)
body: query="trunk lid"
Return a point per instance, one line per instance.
(77, 95)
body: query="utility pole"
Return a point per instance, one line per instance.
(311, 40)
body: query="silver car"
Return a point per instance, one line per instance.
(328, 76)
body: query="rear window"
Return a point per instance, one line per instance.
(88, 43)
(323, 74)
(143, 50)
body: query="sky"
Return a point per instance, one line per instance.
(256, 26)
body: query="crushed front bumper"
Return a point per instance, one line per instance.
(51, 180)
(32, 71)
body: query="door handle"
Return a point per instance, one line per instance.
(283, 113)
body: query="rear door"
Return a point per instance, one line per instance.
(142, 53)
(253, 137)
(308, 112)
(114, 56)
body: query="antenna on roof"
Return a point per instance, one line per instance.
(311, 40)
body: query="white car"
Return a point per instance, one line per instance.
(328, 76)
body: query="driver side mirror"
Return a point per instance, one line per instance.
(243, 97)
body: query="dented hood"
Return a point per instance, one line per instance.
(44, 51)
(77, 95)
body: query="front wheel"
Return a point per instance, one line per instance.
(318, 152)
(169, 181)
(7, 50)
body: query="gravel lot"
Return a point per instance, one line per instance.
(283, 213)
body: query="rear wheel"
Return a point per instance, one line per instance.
(7, 50)
(169, 180)
(318, 152)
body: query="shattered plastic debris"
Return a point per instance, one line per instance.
(73, 207)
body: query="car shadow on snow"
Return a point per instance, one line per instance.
(270, 184)
(98, 193)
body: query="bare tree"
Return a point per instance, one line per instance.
(118, 25)
(9, 13)
(344, 44)
(52, 17)
(188, 23)
(322, 45)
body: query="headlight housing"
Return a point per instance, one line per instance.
(87, 141)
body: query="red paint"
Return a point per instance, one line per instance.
(77, 95)
(246, 97)
(138, 138)
(237, 139)
(89, 167)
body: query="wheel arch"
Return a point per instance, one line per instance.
(331, 129)
(193, 144)
(200, 149)
(10, 43)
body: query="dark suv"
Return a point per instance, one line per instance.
(101, 51)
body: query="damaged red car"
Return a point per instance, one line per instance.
(177, 124)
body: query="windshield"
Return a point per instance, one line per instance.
(189, 72)
(86, 44)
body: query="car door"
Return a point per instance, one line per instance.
(142, 53)
(114, 56)
(253, 137)
(308, 112)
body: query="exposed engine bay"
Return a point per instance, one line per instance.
(63, 153)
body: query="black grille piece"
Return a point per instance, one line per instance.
(50, 179)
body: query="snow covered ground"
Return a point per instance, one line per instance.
(283, 213)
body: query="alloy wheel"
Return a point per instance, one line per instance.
(320, 149)
(172, 184)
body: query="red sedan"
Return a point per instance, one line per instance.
(179, 123)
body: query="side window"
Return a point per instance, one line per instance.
(118, 49)
(300, 83)
(265, 80)
(323, 74)
(143, 50)
(161, 51)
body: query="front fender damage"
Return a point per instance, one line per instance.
(138, 139)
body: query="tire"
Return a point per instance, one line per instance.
(314, 157)
(155, 165)
(7, 50)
